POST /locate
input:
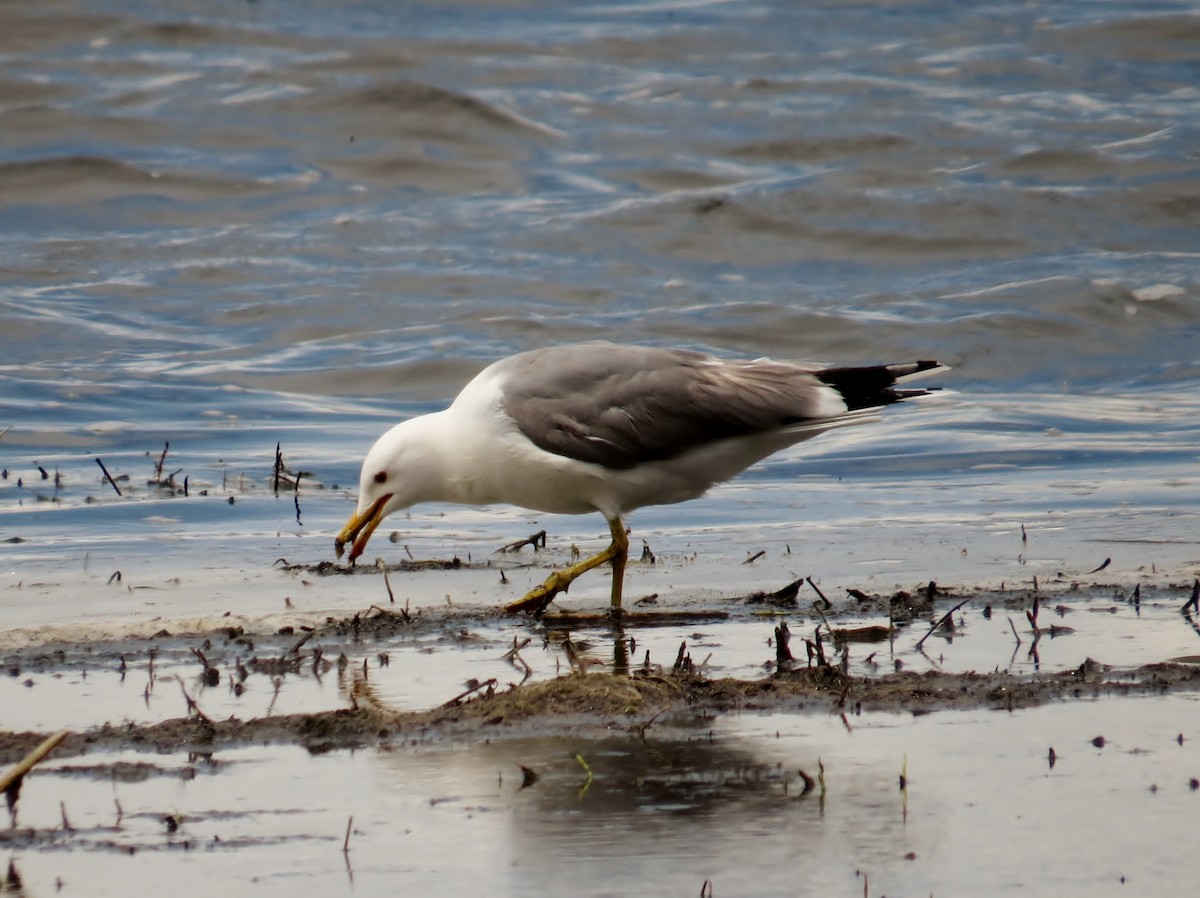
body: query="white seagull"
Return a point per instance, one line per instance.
(601, 427)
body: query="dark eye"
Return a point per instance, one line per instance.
(381, 477)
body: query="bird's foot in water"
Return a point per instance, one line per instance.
(538, 598)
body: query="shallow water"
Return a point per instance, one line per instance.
(227, 228)
(983, 810)
(142, 679)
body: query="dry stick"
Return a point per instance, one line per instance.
(809, 581)
(534, 540)
(1194, 601)
(158, 468)
(403, 613)
(458, 698)
(943, 619)
(645, 726)
(278, 465)
(108, 476)
(820, 648)
(277, 682)
(28, 762)
(514, 654)
(1015, 636)
(683, 661)
(346, 841)
(513, 657)
(783, 636)
(212, 675)
(517, 646)
(391, 595)
(824, 619)
(300, 642)
(192, 707)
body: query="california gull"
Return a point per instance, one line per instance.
(601, 427)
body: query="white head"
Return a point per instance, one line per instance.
(403, 468)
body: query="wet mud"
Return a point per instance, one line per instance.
(594, 692)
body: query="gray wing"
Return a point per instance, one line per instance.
(620, 406)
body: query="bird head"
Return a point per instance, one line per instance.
(395, 475)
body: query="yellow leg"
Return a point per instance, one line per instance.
(621, 544)
(536, 600)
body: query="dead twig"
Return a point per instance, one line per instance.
(828, 604)
(514, 653)
(683, 660)
(645, 726)
(192, 706)
(534, 540)
(783, 654)
(808, 781)
(1031, 615)
(472, 687)
(781, 598)
(945, 617)
(1194, 602)
(387, 583)
(158, 468)
(296, 646)
(211, 675)
(820, 646)
(108, 476)
(513, 657)
(278, 465)
(824, 619)
(402, 613)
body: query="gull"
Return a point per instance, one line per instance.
(606, 428)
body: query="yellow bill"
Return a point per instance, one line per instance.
(359, 528)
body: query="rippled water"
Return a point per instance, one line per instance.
(225, 227)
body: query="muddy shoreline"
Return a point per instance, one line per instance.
(618, 696)
(604, 703)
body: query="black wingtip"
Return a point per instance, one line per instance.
(874, 386)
